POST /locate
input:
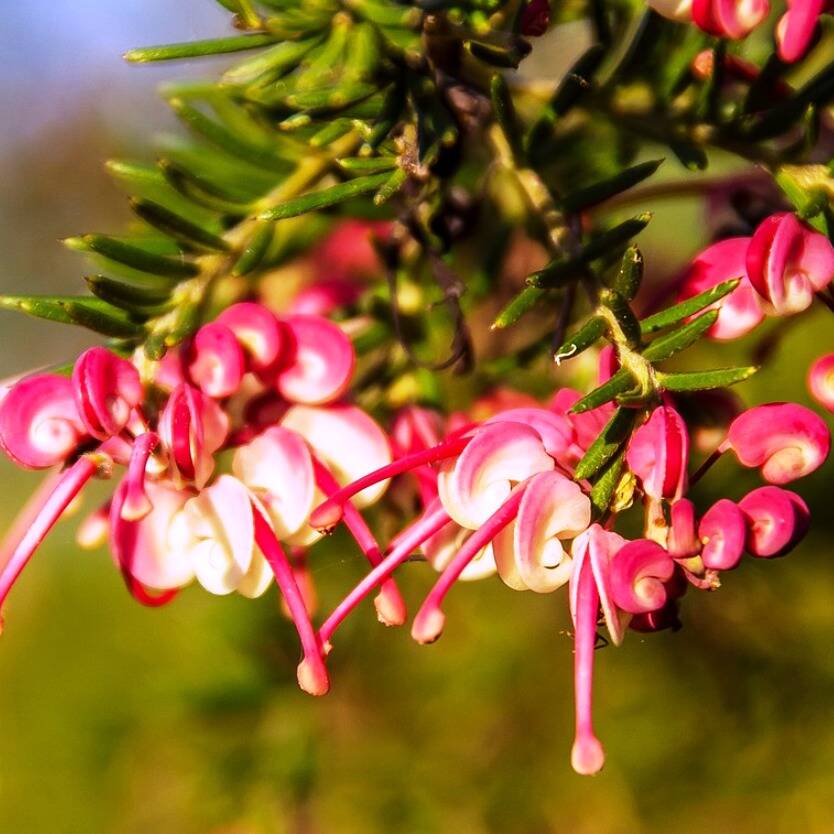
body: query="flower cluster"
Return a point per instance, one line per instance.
(736, 19)
(782, 266)
(268, 389)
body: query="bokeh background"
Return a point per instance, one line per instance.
(187, 720)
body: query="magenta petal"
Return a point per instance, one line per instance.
(659, 453)
(216, 361)
(722, 530)
(776, 521)
(682, 541)
(638, 571)
(257, 329)
(320, 361)
(39, 421)
(821, 381)
(107, 388)
(796, 28)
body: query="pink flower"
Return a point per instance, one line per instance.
(740, 311)
(39, 421)
(786, 440)
(608, 573)
(192, 428)
(216, 363)
(722, 532)
(821, 381)
(788, 262)
(106, 389)
(347, 252)
(259, 333)
(659, 454)
(733, 19)
(777, 520)
(796, 28)
(319, 364)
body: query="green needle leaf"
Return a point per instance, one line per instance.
(521, 304)
(604, 487)
(704, 380)
(184, 231)
(326, 197)
(678, 340)
(605, 190)
(197, 49)
(615, 433)
(91, 313)
(679, 312)
(581, 340)
(619, 384)
(133, 256)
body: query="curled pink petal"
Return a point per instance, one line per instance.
(796, 28)
(323, 297)
(740, 311)
(320, 361)
(821, 381)
(500, 455)
(192, 428)
(107, 388)
(257, 329)
(786, 440)
(638, 571)
(216, 363)
(529, 554)
(278, 468)
(733, 19)
(39, 421)
(94, 530)
(143, 549)
(722, 531)
(777, 520)
(659, 454)
(347, 440)
(788, 262)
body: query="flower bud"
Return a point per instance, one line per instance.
(659, 453)
(733, 19)
(722, 532)
(39, 421)
(682, 541)
(821, 381)
(320, 361)
(217, 363)
(192, 428)
(788, 262)
(258, 332)
(796, 28)
(786, 440)
(638, 571)
(107, 388)
(777, 520)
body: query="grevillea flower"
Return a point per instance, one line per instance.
(216, 361)
(796, 28)
(777, 520)
(787, 262)
(535, 18)
(620, 579)
(785, 440)
(659, 454)
(192, 428)
(39, 421)
(259, 333)
(106, 390)
(319, 364)
(740, 311)
(347, 253)
(821, 381)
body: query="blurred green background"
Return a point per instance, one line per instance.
(118, 720)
